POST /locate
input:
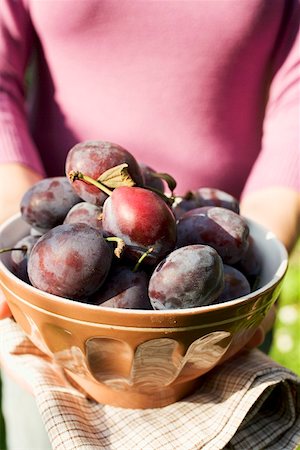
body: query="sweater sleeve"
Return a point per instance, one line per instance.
(16, 39)
(278, 162)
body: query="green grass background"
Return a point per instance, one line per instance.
(286, 342)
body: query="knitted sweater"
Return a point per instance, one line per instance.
(207, 90)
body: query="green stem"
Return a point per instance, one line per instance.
(80, 176)
(141, 259)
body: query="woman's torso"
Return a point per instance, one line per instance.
(180, 84)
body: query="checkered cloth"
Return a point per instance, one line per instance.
(248, 403)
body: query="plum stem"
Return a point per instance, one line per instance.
(168, 200)
(120, 245)
(23, 248)
(141, 259)
(171, 182)
(75, 175)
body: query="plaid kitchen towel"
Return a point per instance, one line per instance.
(250, 402)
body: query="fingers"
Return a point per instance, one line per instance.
(4, 308)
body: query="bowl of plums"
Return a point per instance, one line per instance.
(134, 291)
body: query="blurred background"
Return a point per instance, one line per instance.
(286, 342)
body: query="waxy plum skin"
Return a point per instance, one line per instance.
(143, 220)
(250, 264)
(188, 277)
(19, 259)
(149, 178)
(93, 158)
(123, 288)
(224, 230)
(46, 204)
(85, 212)
(71, 260)
(205, 196)
(235, 285)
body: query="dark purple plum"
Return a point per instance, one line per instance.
(85, 212)
(47, 202)
(19, 259)
(124, 288)
(205, 196)
(149, 178)
(19, 255)
(188, 277)
(235, 285)
(71, 261)
(224, 230)
(143, 220)
(250, 264)
(93, 158)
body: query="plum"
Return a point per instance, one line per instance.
(205, 196)
(224, 230)
(143, 220)
(93, 158)
(71, 260)
(85, 212)
(188, 277)
(45, 204)
(150, 178)
(124, 288)
(235, 285)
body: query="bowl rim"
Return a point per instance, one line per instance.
(281, 270)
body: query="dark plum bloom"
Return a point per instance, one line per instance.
(71, 260)
(188, 277)
(47, 202)
(224, 230)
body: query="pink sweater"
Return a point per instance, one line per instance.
(207, 90)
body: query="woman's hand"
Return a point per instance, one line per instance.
(277, 209)
(19, 178)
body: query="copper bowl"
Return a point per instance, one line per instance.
(135, 358)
